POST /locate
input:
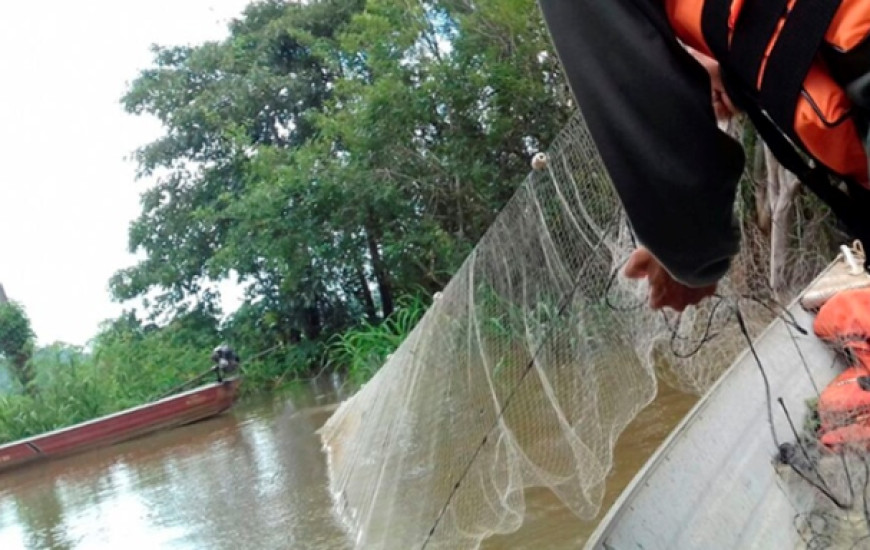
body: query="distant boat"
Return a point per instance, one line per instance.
(175, 410)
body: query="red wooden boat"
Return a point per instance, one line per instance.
(175, 410)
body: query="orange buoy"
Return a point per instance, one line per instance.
(844, 321)
(845, 401)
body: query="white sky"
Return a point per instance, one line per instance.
(67, 194)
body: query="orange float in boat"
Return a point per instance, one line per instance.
(844, 405)
(844, 321)
(845, 400)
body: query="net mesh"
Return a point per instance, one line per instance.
(532, 361)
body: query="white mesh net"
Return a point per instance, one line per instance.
(528, 367)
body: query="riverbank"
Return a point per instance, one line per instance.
(129, 364)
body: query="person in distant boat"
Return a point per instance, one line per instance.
(225, 360)
(800, 69)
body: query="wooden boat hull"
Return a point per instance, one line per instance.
(713, 484)
(176, 410)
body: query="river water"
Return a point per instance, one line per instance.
(252, 478)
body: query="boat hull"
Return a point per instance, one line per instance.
(713, 483)
(176, 410)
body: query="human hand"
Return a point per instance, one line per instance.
(722, 105)
(664, 290)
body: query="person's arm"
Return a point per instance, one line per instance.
(647, 105)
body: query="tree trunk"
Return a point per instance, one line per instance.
(781, 189)
(385, 287)
(21, 363)
(313, 324)
(460, 231)
(366, 295)
(762, 207)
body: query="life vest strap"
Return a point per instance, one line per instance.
(772, 109)
(741, 55)
(792, 55)
(756, 24)
(851, 207)
(714, 26)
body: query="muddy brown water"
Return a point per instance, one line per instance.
(252, 478)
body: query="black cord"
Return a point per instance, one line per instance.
(821, 485)
(784, 314)
(707, 336)
(804, 362)
(743, 329)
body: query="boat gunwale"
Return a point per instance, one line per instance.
(616, 511)
(117, 414)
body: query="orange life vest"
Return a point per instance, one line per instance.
(820, 123)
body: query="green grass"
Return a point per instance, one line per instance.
(362, 351)
(130, 364)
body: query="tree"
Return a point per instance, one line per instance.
(780, 255)
(334, 159)
(218, 102)
(16, 341)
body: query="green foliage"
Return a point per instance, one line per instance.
(209, 216)
(144, 361)
(132, 361)
(70, 389)
(256, 329)
(332, 157)
(130, 364)
(7, 384)
(335, 155)
(16, 340)
(363, 350)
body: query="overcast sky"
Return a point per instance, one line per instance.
(68, 194)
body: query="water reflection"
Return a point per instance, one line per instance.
(549, 524)
(43, 521)
(254, 478)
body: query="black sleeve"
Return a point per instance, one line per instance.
(648, 106)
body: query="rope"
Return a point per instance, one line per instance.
(211, 369)
(261, 354)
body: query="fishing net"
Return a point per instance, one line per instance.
(531, 362)
(827, 469)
